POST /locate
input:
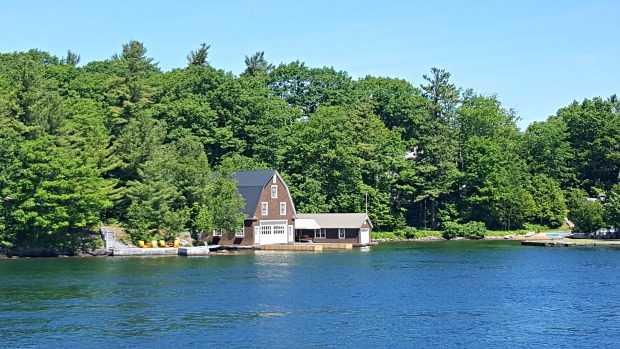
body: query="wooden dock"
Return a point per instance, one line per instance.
(337, 246)
(295, 247)
(318, 247)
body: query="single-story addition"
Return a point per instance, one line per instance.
(333, 228)
(269, 211)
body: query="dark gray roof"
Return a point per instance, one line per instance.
(253, 178)
(251, 185)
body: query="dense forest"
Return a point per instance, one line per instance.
(120, 142)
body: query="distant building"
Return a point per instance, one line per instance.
(599, 198)
(269, 211)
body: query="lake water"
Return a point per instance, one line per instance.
(469, 294)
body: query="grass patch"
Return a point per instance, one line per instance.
(382, 235)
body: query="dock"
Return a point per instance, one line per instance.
(206, 250)
(294, 247)
(337, 246)
(564, 243)
(317, 247)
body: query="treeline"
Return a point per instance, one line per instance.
(121, 142)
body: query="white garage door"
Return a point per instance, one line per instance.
(273, 232)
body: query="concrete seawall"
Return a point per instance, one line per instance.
(168, 251)
(206, 250)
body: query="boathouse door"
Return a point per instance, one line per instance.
(364, 235)
(273, 232)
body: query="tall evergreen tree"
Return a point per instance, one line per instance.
(257, 65)
(438, 142)
(199, 57)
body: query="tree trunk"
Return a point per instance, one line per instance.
(433, 213)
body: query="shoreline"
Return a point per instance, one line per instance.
(539, 239)
(518, 237)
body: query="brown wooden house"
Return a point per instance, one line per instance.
(269, 211)
(333, 228)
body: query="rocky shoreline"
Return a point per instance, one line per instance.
(11, 254)
(538, 236)
(437, 238)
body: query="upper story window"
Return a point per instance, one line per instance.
(239, 231)
(274, 191)
(217, 233)
(264, 209)
(283, 208)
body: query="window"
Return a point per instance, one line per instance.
(217, 233)
(273, 227)
(279, 229)
(320, 234)
(341, 234)
(239, 232)
(274, 191)
(283, 208)
(264, 209)
(265, 230)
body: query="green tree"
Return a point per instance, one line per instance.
(547, 150)
(612, 208)
(199, 57)
(57, 194)
(588, 217)
(225, 205)
(257, 65)
(307, 89)
(71, 59)
(593, 128)
(10, 145)
(550, 208)
(495, 184)
(437, 163)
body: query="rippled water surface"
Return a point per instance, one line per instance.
(439, 294)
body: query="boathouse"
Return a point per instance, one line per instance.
(352, 228)
(269, 211)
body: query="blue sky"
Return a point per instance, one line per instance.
(537, 56)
